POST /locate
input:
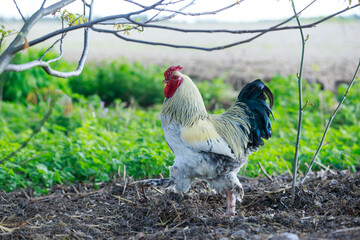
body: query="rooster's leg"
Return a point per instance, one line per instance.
(231, 201)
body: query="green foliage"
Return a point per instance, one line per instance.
(93, 144)
(137, 83)
(214, 92)
(121, 80)
(96, 142)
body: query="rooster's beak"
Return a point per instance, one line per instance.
(165, 81)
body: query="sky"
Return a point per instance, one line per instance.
(247, 11)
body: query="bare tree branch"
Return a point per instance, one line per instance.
(188, 14)
(172, 15)
(84, 54)
(173, 2)
(226, 30)
(157, 19)
(15, 46)
(86, 4)
(310, 25)
(46, 64)
(197, 47)
(14, 49)
(157, 14)
(17, 43)
(125, 16)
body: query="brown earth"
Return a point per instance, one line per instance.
(326, 207)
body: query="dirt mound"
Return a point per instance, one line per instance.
(327, 207)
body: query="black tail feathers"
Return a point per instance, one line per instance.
(254, 95)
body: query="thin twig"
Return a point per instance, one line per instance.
(43, 4)
(273, 28)
(61, 43)
(188, 14)
(125, 180)
(17, 7)
(329, 123)
(300, 107)
(35, 131)
(177, 213)
(86, 4)
(124, 199)
(172, 15)
(143, 192)
(191, 46)
(153, 17)
(137, 192)
(265, 173)
(287, 167)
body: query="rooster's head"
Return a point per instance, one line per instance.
(173, 79)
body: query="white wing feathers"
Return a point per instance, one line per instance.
(203, 137)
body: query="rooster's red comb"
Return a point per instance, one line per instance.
(172, 69)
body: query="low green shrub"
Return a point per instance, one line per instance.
(129, 82)
(121, 80)
(136, 83)
(96, 142)
(93, 144)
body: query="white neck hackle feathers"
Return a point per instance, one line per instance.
(186, 107)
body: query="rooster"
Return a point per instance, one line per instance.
(211, 147)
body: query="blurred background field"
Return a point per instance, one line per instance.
(114, 124)
(332, 50)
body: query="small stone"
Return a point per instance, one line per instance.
(238, 234)
(285, 236)
(221, 231)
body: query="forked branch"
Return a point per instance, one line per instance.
(46, 64)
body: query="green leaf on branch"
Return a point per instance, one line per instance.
(71, 18)
(5, 33)
(126, 28)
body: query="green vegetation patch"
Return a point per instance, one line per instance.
(102, 137)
